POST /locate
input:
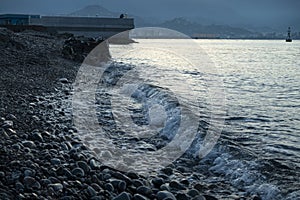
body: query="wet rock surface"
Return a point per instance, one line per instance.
(41, 157)
(77, 48)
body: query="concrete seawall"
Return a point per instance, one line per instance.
(87, 26)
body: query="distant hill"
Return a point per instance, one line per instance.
(95, 10)
(193, 28)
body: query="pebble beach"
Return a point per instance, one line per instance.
(41, 156)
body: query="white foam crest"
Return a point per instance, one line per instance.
(244, 175)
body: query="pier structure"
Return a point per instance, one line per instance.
(86, 26)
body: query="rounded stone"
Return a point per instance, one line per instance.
(28, 172)
(123, 196)
(199, 187)
(56, 187)
(67, 198)
(193, 192)
(37, 136)
(11, 117)
(63, 80)
(132, 175)
(122, 185)
(78, 172)
(55, 161)
(96, 187)
(109, 187)
(31, 183)
(91, 191)
(168, 171)
(185, 182)
(165, 187)
(176, 185)
(137, 183)
(165, 195)
(106, 176)
(29, 144)
(16, 146)
(97, 198)
(83, 165)
(157, 182)
(67, 173)
(45, 182)
(209, 197)
(7, 124)
(144, 190)
(19, 186)
(182, 196)
(93, 164)
(199, 197)
(139, 197)
(121, 176)
(53, 179)
(2, 174)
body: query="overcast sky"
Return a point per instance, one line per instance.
(261, 12)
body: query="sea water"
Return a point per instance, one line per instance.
(258, 150)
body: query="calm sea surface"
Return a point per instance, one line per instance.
(261, 82)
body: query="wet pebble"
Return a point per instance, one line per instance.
(199, 187)
(193, 192)
(45, 182)
(137, 183)
(55, 161)
(67, 198)
(57, 187)
(123, 177)
(122, 186)
(157, 182)
(165, 187)
(168, 171)
(96, 187)
(144, 191)
(209, 197)
(37, 136)
(7, 124)
(132, 175)
(181, 196)
(139, 197)
(29, 172)
(53, 179)
(31, 183)
(19, 186)
(199, 197)
(11, 117)
(63, 80)
(16, 146)
(109, 187)
(165, 195)
(177, 186)
(29, 144)
(123, 196)
(78, 172)
(91, 191)
(83, 165)
(93, 164)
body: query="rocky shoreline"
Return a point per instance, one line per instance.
(41, 157)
